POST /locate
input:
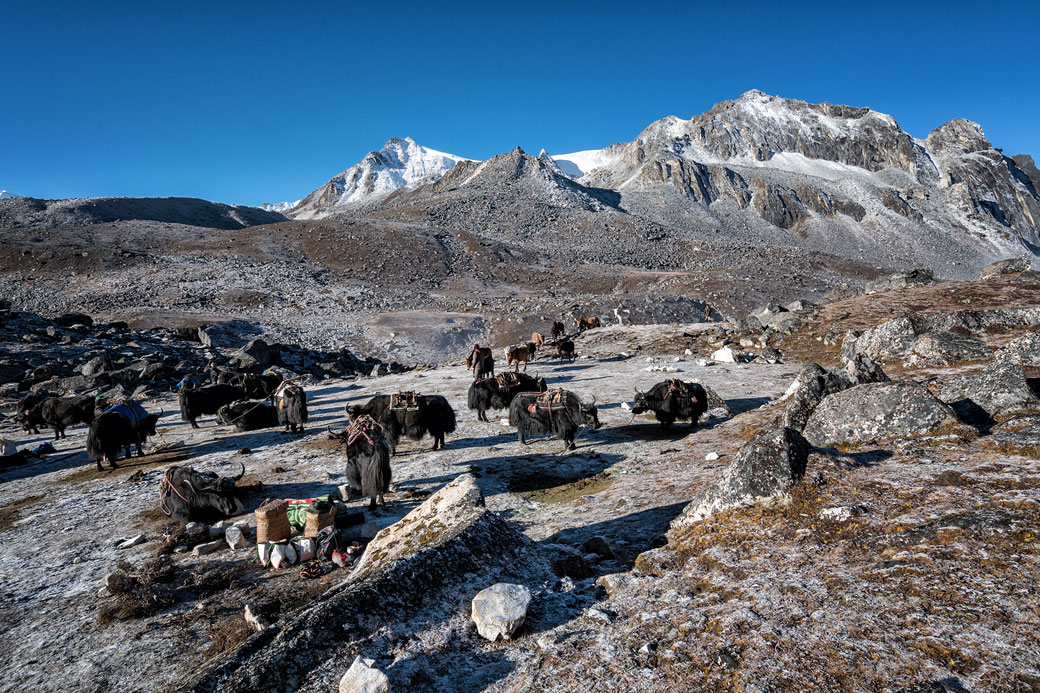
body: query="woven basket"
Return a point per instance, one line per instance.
(272, 524)
(317, 521)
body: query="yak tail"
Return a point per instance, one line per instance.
(94, 451)
(473, 399)
(182, 401)
(449, 419)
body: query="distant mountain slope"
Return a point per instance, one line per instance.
(35, 213)
(399, 164)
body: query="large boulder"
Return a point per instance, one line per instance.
(944, 348)
(427, 558)
(255, 354)
(1024, 351)
(812, 385)
(1001, 267)
(362, 677)
(877, 411)
(763, 471)
(1000, 391)
(500, 610)
(900, 280)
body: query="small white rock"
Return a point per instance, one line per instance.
(500, 610)
(236, 538)
(711, 456)
(208, 547)
(132, 541)
(362, 677)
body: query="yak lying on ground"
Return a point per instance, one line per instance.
(118, 428)
(557, 329)
(559, 412)
(565, 350)
(673, 399)
(498, 392)
(291, 402)
(523, 352)
(587, 323)
(409, 414)
(59, 413)
(186, 495)
(208, 399)
(248, 416)
(261, 386)
(368, 459)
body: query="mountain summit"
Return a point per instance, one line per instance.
(401, 163)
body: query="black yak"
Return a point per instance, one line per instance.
(516, 354)
(368, 459)
(118, 428)
(186, 495)
(208, 399)
(673, 399)
(498, 392)
(188, 382)
(559, 412)
(565, 350)
(409, 414)
(557, 330)
(27, 404)
(248, 416)
(291, 402)
(59, 413)
(587, 323)
(261, 386)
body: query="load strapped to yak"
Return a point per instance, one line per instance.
(550, 400)
(507, 380)
(405, 401)
(363, 426)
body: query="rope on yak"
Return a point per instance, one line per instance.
(361, 426)
(165, 486)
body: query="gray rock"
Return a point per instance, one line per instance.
(814, 383)
(900, 280)
(877, 411)
(861, 369)
(362, 677)
(1000, 391)
(132, 541)
(253, 617)
(500, 610)
(236, 538)
(944, 348)
(1024, 351)
(763, 471)
(94, 366)
(598, 546)
(255, 354)
(1002, 267)
(208, 547)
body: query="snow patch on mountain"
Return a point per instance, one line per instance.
(578, 164)
(278, 206)
(4, 195)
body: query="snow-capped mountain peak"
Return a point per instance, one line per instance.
(4, 195)
(401, 163)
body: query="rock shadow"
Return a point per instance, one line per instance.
(739, 405)
(855, 460)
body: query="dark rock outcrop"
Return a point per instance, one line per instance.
(1001, 267)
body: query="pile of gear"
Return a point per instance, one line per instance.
(297, 531)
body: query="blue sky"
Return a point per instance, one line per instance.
(254, 102)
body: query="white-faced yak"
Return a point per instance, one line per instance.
(206, 400)
(368, 459)
(498, 392)
(291, 402)
(559, 412)
(409, 414)
(59, 413)
(186, 495)
(673, 399)
(118, 428)
(248, 416)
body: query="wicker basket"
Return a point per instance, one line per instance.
(318, 520)
(272, 524)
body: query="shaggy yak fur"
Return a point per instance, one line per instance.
(119, 428)
(434, 416)
(368, 460)
(559, 412)
(565, 350)
(673, 399)
(248, 416)
(587, 323)
(186, 495)
(516, 354)
(557, 329)
(208, 399)
(59, 413)
(497, 393)
(258, 386)
(291, 401)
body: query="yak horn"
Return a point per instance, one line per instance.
(240, 474)
(161, 412)
(594, 400)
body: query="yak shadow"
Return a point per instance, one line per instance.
(739, 405)
(534, 471)
(573, 367)
(855, 460)
(654, 431)
(479, 441)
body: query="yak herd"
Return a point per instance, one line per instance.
(256, 401)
